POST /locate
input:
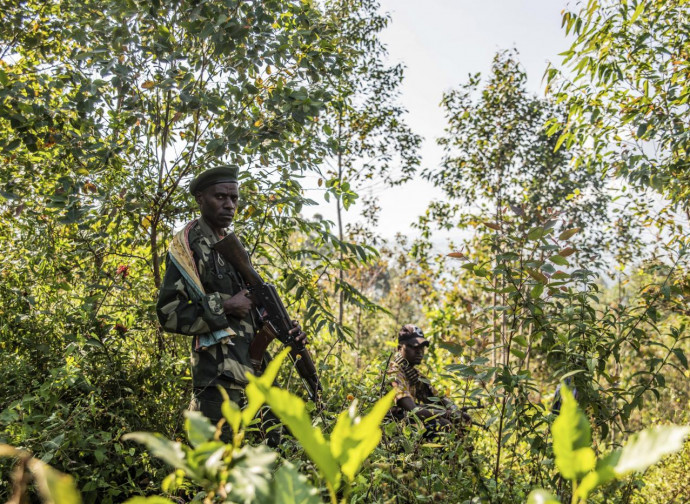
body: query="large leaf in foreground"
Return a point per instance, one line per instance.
(291, 487)
(572, 439)
(292, 411)
(354, 438)
(649, 446)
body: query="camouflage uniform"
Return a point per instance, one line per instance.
(408, 382)
(180, 310)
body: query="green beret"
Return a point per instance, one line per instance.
(218, 175)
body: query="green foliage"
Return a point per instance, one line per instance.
(576, 459)
(234, 473)
(572, 440)
(53, 486)
(626, 87)
(498, 154)
(102, 128)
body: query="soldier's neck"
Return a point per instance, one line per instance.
(220, 233)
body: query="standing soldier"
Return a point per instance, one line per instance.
(203, 296)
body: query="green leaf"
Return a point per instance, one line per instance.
(569, 233)
(291, 487)
(169, 451)
(231, 412)
(541, 497)
(536, 233)
(353, 439)
(253, 391)
(199, 428)
(149, 500)
(250, 477)
(649, 446)
(681, 357)
(537, 290)
(54, 486)
(292, 411)
(557, 259)
(602, 475)
(520, 340)
(572, 439)
(638, 11)
(518, 353)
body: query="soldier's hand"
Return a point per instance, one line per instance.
(238, 305)
(299, 335)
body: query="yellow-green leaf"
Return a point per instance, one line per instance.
(569, 233)
(353, 439)
(541, 497)
(572, 439)
(292, 411)
(255, 396)
(54, 486)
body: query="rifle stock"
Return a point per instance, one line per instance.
(277, 322)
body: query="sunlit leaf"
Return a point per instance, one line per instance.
(569, 233)
(292, 411)
(169, 451)
(649, 446)
(231, 412)
(54, 486)
(354, 439)
(541, 497)
(199, 428)
(601, 475)
(292, 487)
(572, 439)
(253, 391)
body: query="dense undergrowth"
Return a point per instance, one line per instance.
(553, 284)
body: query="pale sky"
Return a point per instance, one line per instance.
(441, 42)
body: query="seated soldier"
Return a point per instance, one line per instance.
(414, 394)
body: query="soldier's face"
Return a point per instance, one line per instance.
(218, 203)
(413, 354)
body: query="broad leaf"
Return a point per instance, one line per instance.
(649, 446)
(231, 413)
(291, 487)
(169, 451)
(292, 411)
(602, 475)
(541, 497)
(249, 479)
(255, 397)
(353, 439)
(568, 233)
(572, 439)
(54, 486)
(199, 428)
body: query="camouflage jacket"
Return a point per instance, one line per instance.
(181, 310)
(408, 382)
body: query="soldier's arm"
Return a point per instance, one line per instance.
(408, 404)
(180, 312)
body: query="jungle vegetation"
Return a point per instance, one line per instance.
(568, 263)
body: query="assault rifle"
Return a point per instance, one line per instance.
(276, 321)
(460, 418)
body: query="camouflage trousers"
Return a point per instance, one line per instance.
(209, 401)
